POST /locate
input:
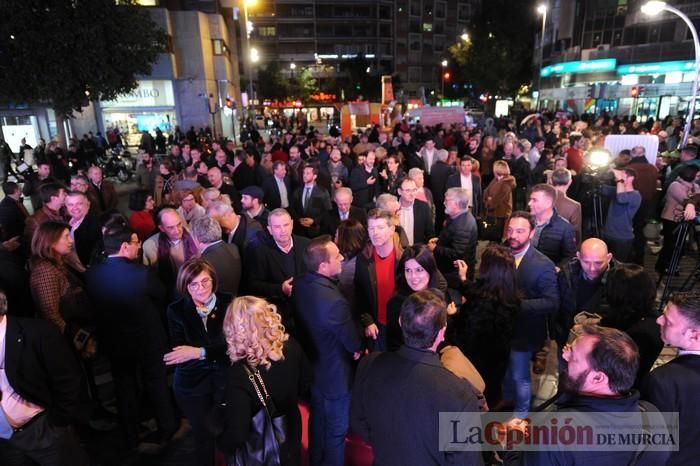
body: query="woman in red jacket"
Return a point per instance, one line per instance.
(141, 220)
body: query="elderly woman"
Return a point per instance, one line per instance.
(57, 286)
(267, 367)
(141, 219)
(195, 323)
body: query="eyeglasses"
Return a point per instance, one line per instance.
(195, 286)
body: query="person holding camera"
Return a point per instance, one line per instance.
(618, 232)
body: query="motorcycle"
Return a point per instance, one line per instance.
(116, 164)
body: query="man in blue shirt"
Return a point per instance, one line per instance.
(625, 201)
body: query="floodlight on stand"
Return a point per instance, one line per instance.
(599, 158)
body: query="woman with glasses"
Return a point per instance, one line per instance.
(195, 323)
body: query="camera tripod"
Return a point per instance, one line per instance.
(678, 250)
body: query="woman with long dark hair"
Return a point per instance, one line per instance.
(417, 271)
(631, 292)
(351, 239)
(483, 326)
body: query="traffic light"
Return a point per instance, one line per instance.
(634, 91)
(446, 76)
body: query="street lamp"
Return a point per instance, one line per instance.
(442, 78)
(253, 54)
(653, 8)
(541, 9)
(464, 37)
(292, 67)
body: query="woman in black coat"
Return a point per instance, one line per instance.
(195, 323)
(483, 326)
(631, 292)
(257, 341)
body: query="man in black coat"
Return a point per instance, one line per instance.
(333, 341)
(674, 386)
(223, 257)
(458, 240)
(216, 179)
(129, 299)
(277, 188)
(438, 184)
(392, 408)
(12, 211)
(342, 210)
(465, 179)
(41, 387)
(554, 237)
(276, 262)
(236, 229)
(414, 215)
(537, 280)
(85, 227)
(310, 202)
(601, 367)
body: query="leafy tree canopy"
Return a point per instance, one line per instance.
(63, 53)
(498, 57)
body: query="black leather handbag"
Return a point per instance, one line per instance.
(267, 433)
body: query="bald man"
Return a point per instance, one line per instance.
(582, 284)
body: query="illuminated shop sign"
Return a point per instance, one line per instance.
(577, 67)
(149, 93)
(661, 67)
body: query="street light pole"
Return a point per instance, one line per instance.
(249, 56)
(542, 9)
(653, 8)
(442, 78)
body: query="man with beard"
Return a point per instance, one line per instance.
(601, 368)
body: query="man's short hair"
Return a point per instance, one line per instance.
(167, 210)
(690, 150)
(205, 229)
(383, 201)
(219, 208)
(615, 354)
(49, 190)
(688, 304)
(279, 212)
(115, 235)
(423, 314)
(9, 188)
(276, 164)
(526, 215)
(561, 177)
(343, 190)
(375, 214)
(549, 191)
(317, 252)
(461, 195)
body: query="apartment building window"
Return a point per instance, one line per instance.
(220, 47)
(440, 9)
(384, 12)
(414, 74)
(302, 11)
(439, 45)
(427, 27)
(414, 42)
(439, 27)
(464, 12)
(414, 25)
(384, 30)
(415, 8)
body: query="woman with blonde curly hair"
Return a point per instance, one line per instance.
(258, 343)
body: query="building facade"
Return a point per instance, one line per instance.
(606, 55)
(406, 37)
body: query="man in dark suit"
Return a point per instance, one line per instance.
(309, 204)
(85, 227)
(392, 409)
(674, 386)
(224, 257)
(342, 210)
(13, 214)
(414, 215)
(569, 209)
(458, 240)
(104, 190)
(333, 342)
(554, 237)
(277, 188)
(41, 387)
(465, 179)
(276, 262)
(236, 229)
(438, 184)
(217, 181)
(537, 280)
(129, 298)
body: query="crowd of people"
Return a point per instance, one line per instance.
(347, 273)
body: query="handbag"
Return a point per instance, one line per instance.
(267, 433)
